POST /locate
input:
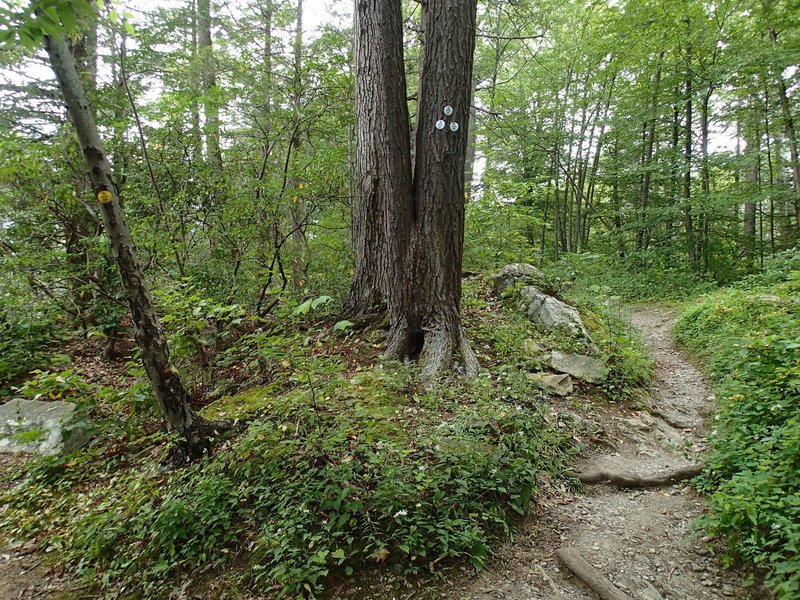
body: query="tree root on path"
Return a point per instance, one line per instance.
(589, 575)
(634, 481)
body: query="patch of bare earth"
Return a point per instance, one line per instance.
(24, 575)
(641, 540)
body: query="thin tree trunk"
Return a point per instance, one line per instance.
(297, 206)
(469, 170)
(209, 81)
(643, 233)
(749, 222)
(167, 387)
(688, 219)
(788, 123)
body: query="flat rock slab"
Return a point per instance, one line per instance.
(580, 366)
(558, 384)
(37, 426)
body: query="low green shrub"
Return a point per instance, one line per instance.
(24, 338)
(751, 338)
(363, 472)
(639, 277)
(343, 463)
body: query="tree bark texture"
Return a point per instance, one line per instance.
(749, 220)
(169, 391)
(383, 153)
(423, 226)
(688, 219)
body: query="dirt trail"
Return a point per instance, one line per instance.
(643, 541)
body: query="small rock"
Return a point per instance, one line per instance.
(560, 385)
(532, 349)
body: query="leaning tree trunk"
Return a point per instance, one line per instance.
(169, 391)
(424, 295)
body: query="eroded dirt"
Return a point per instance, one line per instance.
(642, 540)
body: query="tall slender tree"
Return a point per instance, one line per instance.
(170, 393)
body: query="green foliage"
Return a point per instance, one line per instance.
(24, 339)
(367, 471)
(751, 337)
(639, 277)
(493, 233)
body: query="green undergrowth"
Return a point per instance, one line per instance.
(749, 336)
(638, 277)
(343, 463)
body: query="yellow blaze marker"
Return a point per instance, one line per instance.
(104, 197)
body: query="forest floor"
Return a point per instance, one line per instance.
(642, 540)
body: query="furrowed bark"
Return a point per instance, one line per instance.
(383, 154)
(427, 319)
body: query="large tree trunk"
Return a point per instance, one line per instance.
(383, 153)
(418, 262)
(425, 314)
(169, 391)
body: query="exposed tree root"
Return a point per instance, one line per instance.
(589, 575)
(634, 481)
(669, 420)
(441, 350)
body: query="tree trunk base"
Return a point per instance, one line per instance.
(199, 440)
(440, 351)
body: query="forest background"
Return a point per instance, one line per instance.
(634, 150)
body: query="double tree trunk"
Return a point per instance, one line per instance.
(419, 266)
(169, 391)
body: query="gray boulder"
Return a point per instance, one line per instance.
(509, 275)
(38, 427)
(580, 366)
(549, 311)
(560, 385)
